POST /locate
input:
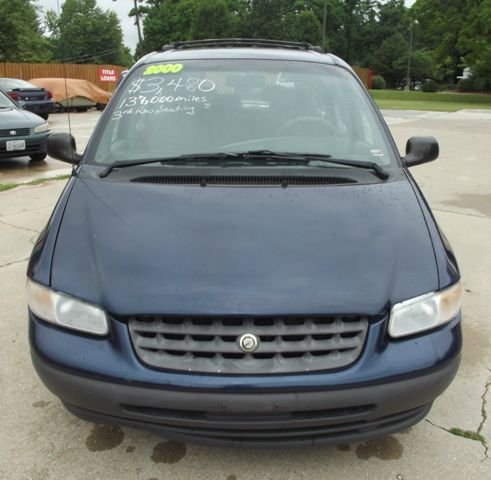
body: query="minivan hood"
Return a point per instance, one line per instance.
(165, 249)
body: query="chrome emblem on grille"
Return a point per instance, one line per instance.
(13, 132)
(248, 343)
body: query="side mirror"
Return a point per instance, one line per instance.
(62, 146)
(421, 150)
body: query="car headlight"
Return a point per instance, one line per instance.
(425, 312)
(44, 127)
(65, 311)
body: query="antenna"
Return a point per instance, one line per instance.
(66, 91)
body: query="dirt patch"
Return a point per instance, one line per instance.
(386, 448)
(41, 404)
(104, 437)
(168, 452)
(130, 449)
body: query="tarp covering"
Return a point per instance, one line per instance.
(73, 88)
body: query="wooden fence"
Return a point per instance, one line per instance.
(26, 71)
(365, 76)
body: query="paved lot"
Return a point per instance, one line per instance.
(39, 440)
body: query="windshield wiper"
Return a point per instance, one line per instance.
(251, 155)
(377, 169)
(317, 157)
(201, 156)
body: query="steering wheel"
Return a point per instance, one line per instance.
(317, 126)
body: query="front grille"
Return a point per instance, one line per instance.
(20, 132)
(243, 180)
(211, 344)
(30, 148)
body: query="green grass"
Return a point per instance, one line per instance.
(468, 434)
(38, 181)
(440, 102)
(7, 186)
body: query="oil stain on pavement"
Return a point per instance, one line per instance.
(168, 452)
(344, 448)
(386, 448)
(104, 437)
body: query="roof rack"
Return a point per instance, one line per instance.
(240, 42)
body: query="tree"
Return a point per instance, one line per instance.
(306, 28)
(422, 64)
(438, 28)
(84, 33)
(21, 37)
(167, 21)
(390, 58)
(475, 42)
(266, 19)
(212, 20)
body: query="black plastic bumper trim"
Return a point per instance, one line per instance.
(222, 418)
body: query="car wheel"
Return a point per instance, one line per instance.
(100, 107)
(38, 157)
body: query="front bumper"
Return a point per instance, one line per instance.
(101, 380)
(35, 144)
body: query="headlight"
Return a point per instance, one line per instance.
(44, 127)
(65, 311)
(425, 312)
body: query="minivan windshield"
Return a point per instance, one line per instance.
(169, 109)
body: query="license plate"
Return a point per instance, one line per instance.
(14, 145)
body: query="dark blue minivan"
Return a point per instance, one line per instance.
(242, 257)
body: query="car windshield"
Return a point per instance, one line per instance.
(195, 107)
(12, 83)
(5, 101)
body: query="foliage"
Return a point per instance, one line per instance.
(84, 33)
(168, 21)
(430, 86)
(447, 35)
(211, 20)
(469, 434)
(466, 85)
(21, 36)
(421, 64)
(306, 28)
(378, 82)
(391, 58)
(474, 84)
(475, 40)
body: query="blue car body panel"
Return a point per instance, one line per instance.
(140, 249)
(217, 250)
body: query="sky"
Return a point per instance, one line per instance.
(122, 7)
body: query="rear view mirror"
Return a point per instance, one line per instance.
(421, 150)
(62, 146)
